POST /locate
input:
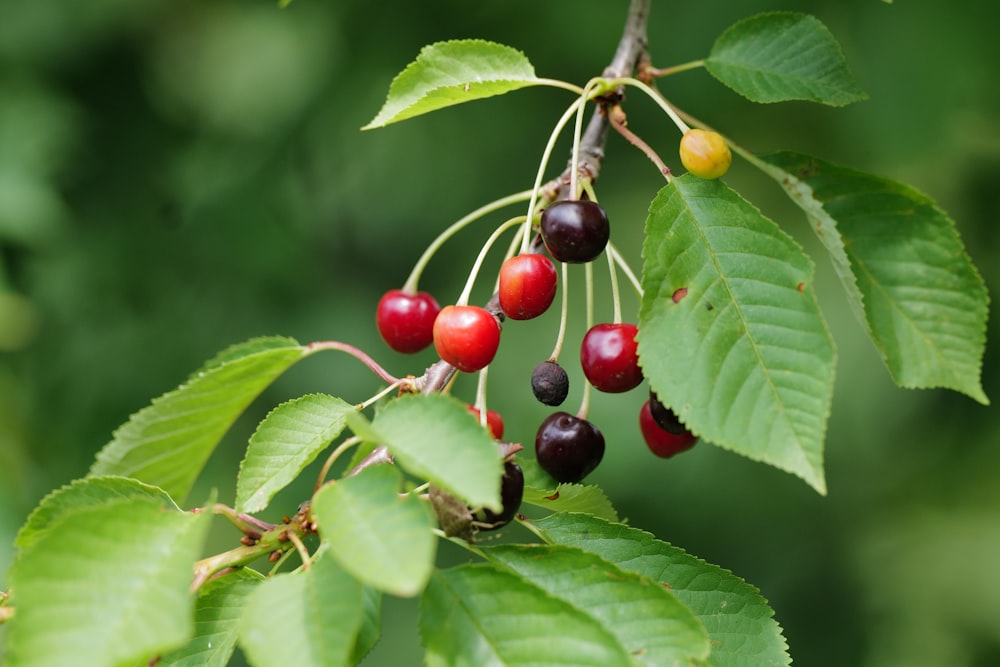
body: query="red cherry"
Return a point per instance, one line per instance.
(527, 286)
(406, 320)
(494, 422)
(467, 337)
(609, 356)
(661, 442)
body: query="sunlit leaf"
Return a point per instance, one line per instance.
(288, 440)
(779, 56)
(907, 274)
(740, 624)
(379, 537)
(730, 335)
(168, 442)
(453, 72)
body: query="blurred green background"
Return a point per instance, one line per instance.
(178, 176)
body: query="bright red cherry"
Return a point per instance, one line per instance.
(527, 286)
(467, 337)
(405, 320)
(609, 356)
(494, 422)
(661, 442)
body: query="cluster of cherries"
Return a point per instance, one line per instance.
(568, 447)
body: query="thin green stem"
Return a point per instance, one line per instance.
(657, 97)
(634, 139)
(481, 396)
(563, 315)
(613, 251)
(565, 85)
(244, 522)
(463, 299)
(385, 392)
(410, 285)
(615, 296)
(589, 273)
(285, 555)
(343, 447)
(357, 354)
(574, 169)
(675, 69)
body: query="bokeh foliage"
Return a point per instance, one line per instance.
(179, 176)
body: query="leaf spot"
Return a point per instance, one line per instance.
(679, 294)
(554, 496)
(801, 287)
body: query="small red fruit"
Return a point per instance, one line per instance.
(405, 320)
(609, 357)
(661, 442)
(527, 286)
(467, 337)
(494, 422)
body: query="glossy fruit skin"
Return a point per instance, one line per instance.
(705, 154)
(494, 422)
(467, 337)
(610, 358)
(405, 320)
(575, 231)
(511, 493)
(664, 416)
(527, 286)
(661, 442)
(549, 383)
(567, 447)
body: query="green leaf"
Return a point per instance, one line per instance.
(379, 537)
(907, 274)
(216, 621)
(81, 493)
(780, 56)
(288, 440)
(308, 618)
(167, 443)
(645, 618)
(436, 438)
(479, 615)
(105, 584)
(730, 335)
(448, 73)
(740, 624)
(572, 498)
(371, 624)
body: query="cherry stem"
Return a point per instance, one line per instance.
(613, 251)
(556, 83)
(481, 396)
(563, 315)
(615, 295)
(343, 447)
(357, 354)
(385, 392)
(667, 71)
(244, 522)
(657, 97)
(574, 168)
(301, 548)
(463, 299)
(585, 400)
(410, 286)
(633, 139)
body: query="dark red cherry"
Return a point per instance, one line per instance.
(467, 337)
(511, 493)
(405, 320)
(568, 448)
(661, 442)
(549, 383)
(527, 286)
(664, 416)
(609, 357)
(575, 231)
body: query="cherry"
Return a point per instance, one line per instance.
(665, 417)
(527, 286)
(609, 356)
(549, 383)
(661, 442)
(705, 154)
(575, 231)
(467, 337)
(494, 422)
(405, 320)
(568, 448)
(511, 493)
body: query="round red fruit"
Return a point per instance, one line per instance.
(405, 320)
(609, 357)
(467, 337)
(494, 422)
(661, 442)
(527, 286)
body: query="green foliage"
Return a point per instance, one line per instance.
(288, 440)
(572, 498)
(106, 582)
(779, 56)
(168, 443)
(904, 267)
(448, 73)
(379, 537)
(730, 335)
